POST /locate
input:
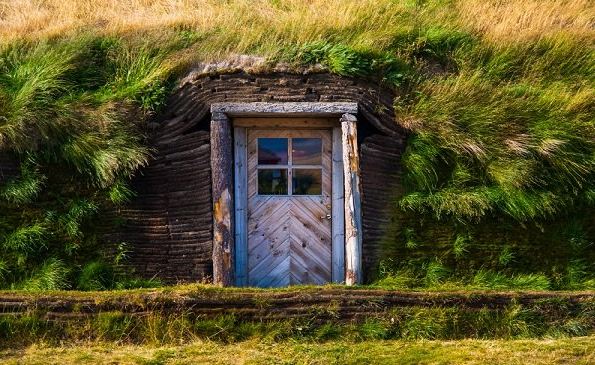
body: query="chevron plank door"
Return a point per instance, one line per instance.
(289, 207)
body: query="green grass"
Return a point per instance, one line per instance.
(433, 275)
(575, 351)
(546, 320)
(66, 107)
(480, 315)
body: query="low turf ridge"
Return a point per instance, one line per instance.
(175, 315)
(498, 97)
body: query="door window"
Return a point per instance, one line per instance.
(272, 181)
(272, 151)
(307, 182)
(306, 151)
(289, 166)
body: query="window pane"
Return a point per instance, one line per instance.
(272, 182)
(307, 151)
(272, 151)
(307, 181)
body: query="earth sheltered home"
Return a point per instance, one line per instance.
(266, 179)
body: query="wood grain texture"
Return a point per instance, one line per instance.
(168, 225)
(381, 184)
(287, 108)
(338, 209)
(222, 183)
(289, 239)
(353, 220)
(255, 122)
(241, 202)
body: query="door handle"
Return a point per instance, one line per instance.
(328, 216)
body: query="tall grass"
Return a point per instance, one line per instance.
(521, 21)
(500, 137)
(498, 20)
(234, 26)
(65, 109)
(433, 275)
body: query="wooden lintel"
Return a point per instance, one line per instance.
(286, 109)
(353, 220)
(223, 206)
(297, 122)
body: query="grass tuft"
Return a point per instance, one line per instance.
(52, 275)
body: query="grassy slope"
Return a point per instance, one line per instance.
(574, 351)
(498, 95)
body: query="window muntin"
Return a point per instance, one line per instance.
(289, 166)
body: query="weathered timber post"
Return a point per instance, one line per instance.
(353, 222)
(222, 185)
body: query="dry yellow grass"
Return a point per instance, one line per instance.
(243, 24)
(527, 19)
(239, 23)
(468, 352)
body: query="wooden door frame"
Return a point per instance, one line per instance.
(229, 184)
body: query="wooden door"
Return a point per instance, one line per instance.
(289, 207)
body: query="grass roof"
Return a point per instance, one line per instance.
(498, 95)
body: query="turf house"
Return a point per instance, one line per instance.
(405, 144)
(297, 182)
(267, 180)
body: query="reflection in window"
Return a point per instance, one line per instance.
(307, 151)
(272, 182)
(272, 151)
(307, 181)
